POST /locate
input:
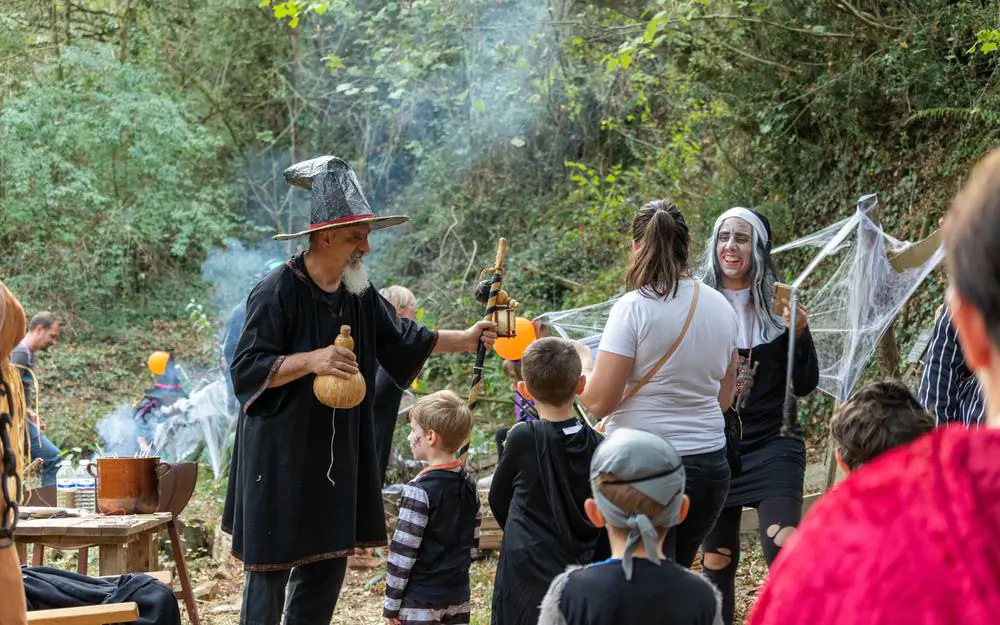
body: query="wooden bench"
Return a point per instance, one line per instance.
(87, 615)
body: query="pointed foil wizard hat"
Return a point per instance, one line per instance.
(337, 199)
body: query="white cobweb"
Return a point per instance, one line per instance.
(849, 310)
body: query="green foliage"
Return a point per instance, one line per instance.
(127, 137)
(987, 41)
(105, 185)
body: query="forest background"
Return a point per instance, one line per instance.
(142, 144)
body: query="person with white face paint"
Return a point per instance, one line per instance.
(769, 468)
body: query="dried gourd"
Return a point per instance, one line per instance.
(337, 392)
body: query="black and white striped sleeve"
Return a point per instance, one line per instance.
(944, 373)
(414, 508)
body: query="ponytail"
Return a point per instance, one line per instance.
(662, 236)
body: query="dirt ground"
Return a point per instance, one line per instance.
(361, 598)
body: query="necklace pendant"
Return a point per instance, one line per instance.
(746, 375)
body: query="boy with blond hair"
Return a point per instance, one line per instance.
(638, 482)
(437, 532)
(540, 484)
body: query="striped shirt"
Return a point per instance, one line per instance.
(437, 534)
(948, 389)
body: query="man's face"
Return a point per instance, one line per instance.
(348, 246)
(48, 337)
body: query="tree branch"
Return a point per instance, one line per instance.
(865, 17)
(747, 55)
(754, 20)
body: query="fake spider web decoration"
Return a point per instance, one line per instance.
(848, 312)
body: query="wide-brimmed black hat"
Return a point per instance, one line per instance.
(337, 199)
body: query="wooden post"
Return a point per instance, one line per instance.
(142, 554)
(887, 351)
(113, 559)
(831, 459)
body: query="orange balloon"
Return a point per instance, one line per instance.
(513, 348)
(157, 362)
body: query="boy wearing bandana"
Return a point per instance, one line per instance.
(638, 485)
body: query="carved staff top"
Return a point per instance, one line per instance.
(496, 284)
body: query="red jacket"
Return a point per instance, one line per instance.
(912, 537)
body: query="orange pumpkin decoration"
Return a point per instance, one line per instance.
(337, 392)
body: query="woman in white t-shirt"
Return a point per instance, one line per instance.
(683, 400)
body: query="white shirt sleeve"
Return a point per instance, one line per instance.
(735, 335)
(622, 329)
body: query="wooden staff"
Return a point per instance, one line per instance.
(496, 284)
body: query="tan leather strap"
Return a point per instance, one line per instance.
(670, 352)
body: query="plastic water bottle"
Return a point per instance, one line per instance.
(86, 489)
(66, 486)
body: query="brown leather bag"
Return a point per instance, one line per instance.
(602, 425)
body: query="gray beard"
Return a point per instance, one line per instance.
(356, 279)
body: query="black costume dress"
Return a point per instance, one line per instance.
(773, 465)
(388, 396)
(281, 508)
(664, 594)
(537, 497)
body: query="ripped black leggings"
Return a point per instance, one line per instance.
(777, 517)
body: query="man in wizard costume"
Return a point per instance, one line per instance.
(304, 488)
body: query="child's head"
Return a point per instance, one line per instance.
(551, 370)
(880, 416)
(512, 370)
(638, 484)
(402, 299)
(441, 421)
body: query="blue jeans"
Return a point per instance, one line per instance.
(47, 451)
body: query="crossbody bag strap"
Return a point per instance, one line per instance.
(670, 352)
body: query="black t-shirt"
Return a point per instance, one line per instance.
(665, 594)
(24, 359)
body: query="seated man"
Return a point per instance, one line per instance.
(43, 333)
(879, 417)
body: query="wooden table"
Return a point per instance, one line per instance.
(126, 544)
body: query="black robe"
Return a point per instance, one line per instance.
(280, 507)
(388, 397)
(537, 497)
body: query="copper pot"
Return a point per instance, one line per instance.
(128, 485)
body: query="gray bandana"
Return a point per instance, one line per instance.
(653, 467)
